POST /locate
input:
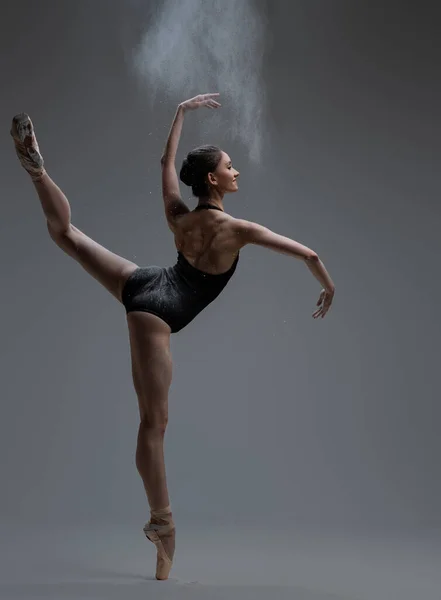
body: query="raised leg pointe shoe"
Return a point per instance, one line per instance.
(26, 146)
(161, 531)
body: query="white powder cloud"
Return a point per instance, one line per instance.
(198, 46)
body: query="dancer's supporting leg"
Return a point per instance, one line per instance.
(152, 374)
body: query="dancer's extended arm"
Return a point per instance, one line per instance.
(252, 233)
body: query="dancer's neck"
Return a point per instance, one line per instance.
(212, 201)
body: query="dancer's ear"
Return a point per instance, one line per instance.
(212, 179)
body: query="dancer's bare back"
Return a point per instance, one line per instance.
(208, 239)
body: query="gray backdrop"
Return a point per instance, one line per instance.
(273, 415)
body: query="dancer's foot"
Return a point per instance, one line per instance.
(161, 531)
(26, 146)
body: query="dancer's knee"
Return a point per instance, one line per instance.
(153, 422)
(60, 234)
(72, 241)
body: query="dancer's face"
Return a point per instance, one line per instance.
(224, 179)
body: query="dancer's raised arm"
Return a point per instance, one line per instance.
(173, 204)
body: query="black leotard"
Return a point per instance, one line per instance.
(175, 294)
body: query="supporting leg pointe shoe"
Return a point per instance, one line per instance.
(26, 146)
(160, 530)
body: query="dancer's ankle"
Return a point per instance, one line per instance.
(161, 511)
(37, 177)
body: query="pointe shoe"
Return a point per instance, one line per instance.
(26, 146)
(155, 532)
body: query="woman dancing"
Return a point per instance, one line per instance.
(161, 301)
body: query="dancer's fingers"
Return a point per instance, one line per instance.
(320, 312)
(207, 97)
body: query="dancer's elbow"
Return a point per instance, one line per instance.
(167, 158)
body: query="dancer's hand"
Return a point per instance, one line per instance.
(203, 100)
(324, 302)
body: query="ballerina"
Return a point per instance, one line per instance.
(159, 301)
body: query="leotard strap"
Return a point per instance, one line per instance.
(207, 206)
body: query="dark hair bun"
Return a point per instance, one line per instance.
(187, 173)
(197, 165)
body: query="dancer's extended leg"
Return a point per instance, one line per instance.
(106, 267)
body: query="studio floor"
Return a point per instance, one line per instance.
(217, 562)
